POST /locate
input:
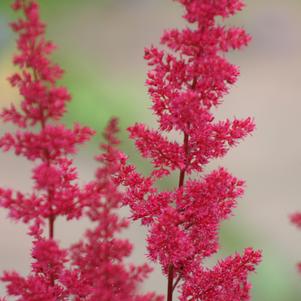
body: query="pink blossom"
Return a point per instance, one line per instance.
(187, 82)
(55, 191)
(48, 264)
(226, 281)
(100, 256)
(94, 268)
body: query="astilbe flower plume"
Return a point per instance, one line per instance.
(187, 81)
(99, 257)
(93, 269)
(41, 139)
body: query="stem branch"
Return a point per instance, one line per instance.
(171, 286)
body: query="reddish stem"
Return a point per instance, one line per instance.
(176, 282)
(171, 286)
(170, 282)
(51, 227)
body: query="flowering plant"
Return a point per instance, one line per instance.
(187, 81)
(94, 268)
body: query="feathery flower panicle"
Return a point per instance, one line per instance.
(100, 256)
(40, 138)
(186, 81)
(93, 269)
(48, 144)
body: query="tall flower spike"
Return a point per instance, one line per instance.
(100, 256)
(94, 269)
(42, 139)
(48, 144)
(187, 80)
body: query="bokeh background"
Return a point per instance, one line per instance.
(101, 47)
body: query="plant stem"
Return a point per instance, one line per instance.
(171, 286)
(51, 227)
(176, 282)
(170, 282)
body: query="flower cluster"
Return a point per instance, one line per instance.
(187, 81)
(93, 269)
(99, 257)
(39, 137)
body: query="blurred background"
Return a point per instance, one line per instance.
(101, 48)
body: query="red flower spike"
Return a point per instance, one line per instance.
(94, 269)
(99, 257)
(186, 81)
